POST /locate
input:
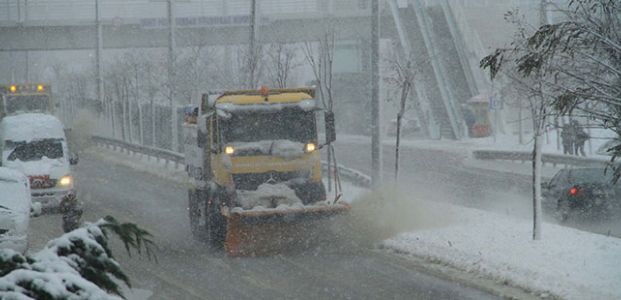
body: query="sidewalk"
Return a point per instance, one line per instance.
(465, 147)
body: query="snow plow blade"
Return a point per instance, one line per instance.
(256, 233)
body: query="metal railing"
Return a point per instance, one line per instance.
(354, 176)
(547, 158)
(131, 148)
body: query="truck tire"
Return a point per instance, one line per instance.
(215, 222)
(195, 212)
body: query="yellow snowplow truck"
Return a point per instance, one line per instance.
(255, 165)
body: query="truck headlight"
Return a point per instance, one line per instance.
(229, 150)
(65, 181)
(310, 147)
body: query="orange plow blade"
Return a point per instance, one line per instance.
(264, 232)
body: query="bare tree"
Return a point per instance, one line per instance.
(401, 74)
(321, 60)
(193, 68)
(536, 87)
(281, 61)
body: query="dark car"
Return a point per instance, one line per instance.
(586, 192)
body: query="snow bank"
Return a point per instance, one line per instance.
(568, 263)
(29, 127)
(54, 271)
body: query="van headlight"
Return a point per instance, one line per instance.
(65, 180)
(310, 147)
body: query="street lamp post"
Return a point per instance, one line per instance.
(376, 149)
(171, 71)
(98, 53)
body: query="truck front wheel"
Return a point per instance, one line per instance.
(310, 192)
(196, 214)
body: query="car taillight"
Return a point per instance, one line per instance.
(573, 191)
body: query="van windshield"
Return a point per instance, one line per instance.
(35, 150)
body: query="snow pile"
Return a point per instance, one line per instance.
(305, 105)
(57, 270)
(283, 148)
(268, 196)
(29, 127)
(14, 190)
(568, 263)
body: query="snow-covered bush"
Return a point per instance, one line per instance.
(77, 265)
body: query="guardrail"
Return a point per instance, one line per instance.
(354, 176)
(157, 153)
(547, 158)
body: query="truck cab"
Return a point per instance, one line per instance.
(35, 144)
(25, 98)
(255, 137)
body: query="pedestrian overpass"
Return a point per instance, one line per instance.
(434, 30)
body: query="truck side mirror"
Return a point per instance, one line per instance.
(330, 127)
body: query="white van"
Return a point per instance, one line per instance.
(15, 207)
(35, 145)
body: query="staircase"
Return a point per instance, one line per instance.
(444, 71)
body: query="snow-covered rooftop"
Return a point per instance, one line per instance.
(31, 126)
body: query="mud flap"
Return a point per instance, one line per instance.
(71, 210)
(264, 232)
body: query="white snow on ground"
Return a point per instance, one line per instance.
(568, 263)
(58, 275)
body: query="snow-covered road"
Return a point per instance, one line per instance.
(186, 270)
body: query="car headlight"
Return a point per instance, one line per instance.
(310, 147)
(65, 181)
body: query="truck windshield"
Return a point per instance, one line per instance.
(27, 103)
(294, 125)
(35, 150)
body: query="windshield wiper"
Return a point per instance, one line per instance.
(4, 207)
